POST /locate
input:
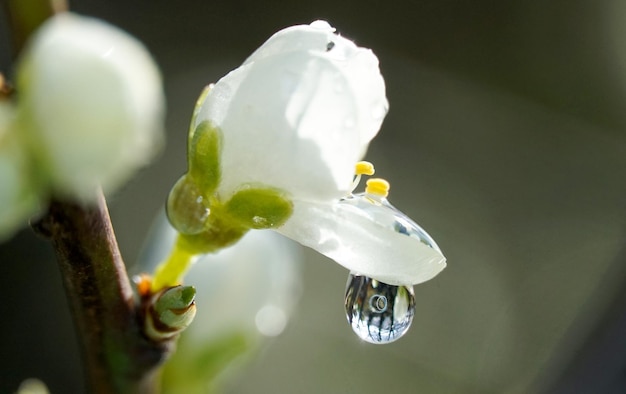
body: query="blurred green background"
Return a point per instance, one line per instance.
(506, 141)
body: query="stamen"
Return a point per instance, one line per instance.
(377, 187)
(362, 168)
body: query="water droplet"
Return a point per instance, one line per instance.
(378, 313)
(260, 221)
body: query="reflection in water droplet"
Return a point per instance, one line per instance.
(378, 313)
(378, 303)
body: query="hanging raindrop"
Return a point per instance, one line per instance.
(378, 313)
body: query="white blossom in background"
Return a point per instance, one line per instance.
(247, 291)
(32, 386)
(91, 103)
(19, 195)
(297, 116)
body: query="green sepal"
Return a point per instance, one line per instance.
(187, 208)
(196, 110)
(259, 207)
(175, 298)
(204, 154)
(217, 234)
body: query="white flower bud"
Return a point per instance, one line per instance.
(91, 102)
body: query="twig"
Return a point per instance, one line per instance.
(118, 357)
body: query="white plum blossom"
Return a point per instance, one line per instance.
(91, 102)
(297, 116)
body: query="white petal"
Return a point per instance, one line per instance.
(355, 241)
(315, 36)
(91, 97)
(358, 66)
(296, 116)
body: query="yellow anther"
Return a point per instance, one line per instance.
(377, 187)
(364, 168)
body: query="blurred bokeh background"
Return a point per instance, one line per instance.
(506, 141)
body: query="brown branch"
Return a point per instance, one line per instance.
(118, 357)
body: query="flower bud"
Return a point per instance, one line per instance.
(297, 114)
(170, 312)
(91, 104)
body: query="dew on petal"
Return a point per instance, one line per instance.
(377, 312)
(379, 210)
